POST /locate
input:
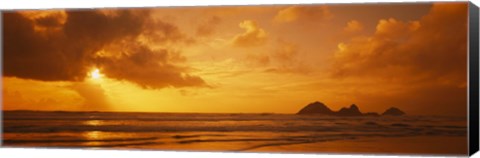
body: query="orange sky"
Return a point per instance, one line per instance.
(238, 59)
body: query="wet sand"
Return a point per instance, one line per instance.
(411, 145)
(418, 145)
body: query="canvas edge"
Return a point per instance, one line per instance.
(473, 67)
(1, 82)
(473, 73)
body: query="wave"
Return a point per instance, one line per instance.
(19, 141)
(150, 129)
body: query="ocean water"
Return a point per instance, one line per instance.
(218, 132)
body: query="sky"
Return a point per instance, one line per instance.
(238, 59)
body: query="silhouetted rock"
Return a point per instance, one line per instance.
(351, 111)
(371, 114)
(393, 112)
(316, 108)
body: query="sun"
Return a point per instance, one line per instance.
(95, 74)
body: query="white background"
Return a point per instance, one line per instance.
(76, 153)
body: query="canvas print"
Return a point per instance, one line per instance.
(378, 78)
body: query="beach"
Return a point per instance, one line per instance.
(279, 133)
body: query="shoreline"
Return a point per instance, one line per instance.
(409, 145)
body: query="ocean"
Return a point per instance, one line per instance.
(286, 133)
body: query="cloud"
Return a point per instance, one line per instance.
(14, 100)
(283, 58)
(259, 59)
(395, 28)
(46, 21)
(160, 32)
(64, 46)
(253, 35)
(424, 56)
(148, 68)
(21, 94)
(353, 26)
(286, 59)
(434, 45)
(207, 27)
(303, 14)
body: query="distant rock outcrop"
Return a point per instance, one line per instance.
(316, 108)
(393, 112)
(351, 111)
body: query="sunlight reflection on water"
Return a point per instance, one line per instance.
(92, 136)
(93, 122)
(239, 132)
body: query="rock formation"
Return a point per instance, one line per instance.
(393, 112)
(318, 108)
(351, 111)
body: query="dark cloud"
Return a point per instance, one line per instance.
(52, 21)
(159, 32)
(32, 55)
(303, 14)
(68, 52)
(94, 27)
(148, 68)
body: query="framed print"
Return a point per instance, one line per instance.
(374, 78)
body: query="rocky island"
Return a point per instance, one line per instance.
(318, 108)
(394, 112)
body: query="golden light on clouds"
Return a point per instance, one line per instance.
(253, 59)
(253, 35)
(303, 13)
(353, 26)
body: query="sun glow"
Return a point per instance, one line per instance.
(95, 74)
